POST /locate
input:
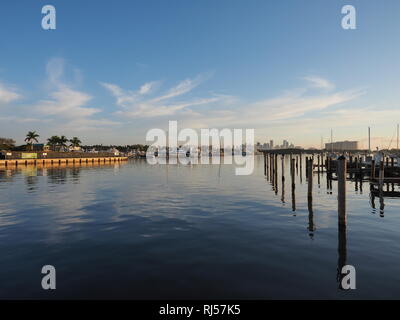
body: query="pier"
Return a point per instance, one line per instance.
(42, 158)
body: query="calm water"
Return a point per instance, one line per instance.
(138, 231)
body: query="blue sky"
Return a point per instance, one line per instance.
(112, 70)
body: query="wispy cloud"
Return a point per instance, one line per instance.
(320, 83)
(136, 104)
(289, 107)
(126, 98)
(66, 104)
(8, 94)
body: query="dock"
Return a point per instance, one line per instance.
(19, 162)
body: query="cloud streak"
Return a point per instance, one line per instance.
(7, 94)
(68, 105)
(136, 104)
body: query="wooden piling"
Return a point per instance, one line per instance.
(265, 164)
(293, 185)
(341, 175)
(373, 169)
(310, 177)
(381, 174)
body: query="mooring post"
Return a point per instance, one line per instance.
(372, 169)
(265, 164)
(310, 177)
(301, 162)
(293, 185)
(381, 174)
(283, 167)
(328, 165)
(306, 167)
(381, 181)
(318, 157)
(276, 173)
(341, 175)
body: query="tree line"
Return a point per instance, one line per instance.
(57, 143)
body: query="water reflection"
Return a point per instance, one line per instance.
(203, 225)
(311, 226)
(56, 173)
(342, 252)
(296, 175)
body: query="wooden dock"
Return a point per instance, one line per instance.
(24, 162)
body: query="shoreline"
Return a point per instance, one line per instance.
(18, 162)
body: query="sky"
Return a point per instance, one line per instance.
(112, 70)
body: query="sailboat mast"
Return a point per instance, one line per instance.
(369, 139)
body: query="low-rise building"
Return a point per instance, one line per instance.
(342, 145)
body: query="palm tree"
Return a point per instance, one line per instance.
(30, 138)
(63, 142)
(75, 142)
(53, 142)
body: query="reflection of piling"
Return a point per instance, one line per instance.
(329, 184)
(381, 180)
(276, 169)
(309, 172)
(283, 192)
(342, 245)
(341, 175)
(342, 252)
(292, 165)
(311, 227)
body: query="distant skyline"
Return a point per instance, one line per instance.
(113, 70)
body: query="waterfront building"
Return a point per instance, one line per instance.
(342, 145)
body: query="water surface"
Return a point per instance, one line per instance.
(132, 230)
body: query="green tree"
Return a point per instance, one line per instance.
(53, 142)
(30, 138)
(75, 142)
(63, 142)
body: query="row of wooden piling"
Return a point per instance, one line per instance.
(271, 171)
(339, 167)
(18, 162)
